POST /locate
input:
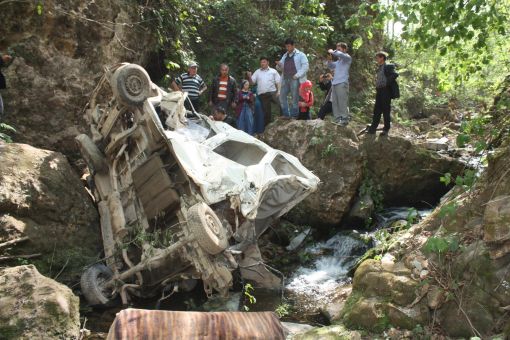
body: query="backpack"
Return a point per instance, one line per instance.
(392, 75)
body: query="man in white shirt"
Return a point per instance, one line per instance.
(268, 87)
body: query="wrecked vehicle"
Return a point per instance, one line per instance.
(181, 198)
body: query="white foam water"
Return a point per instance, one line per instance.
(317, 283)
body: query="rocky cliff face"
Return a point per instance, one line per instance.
(43, 199)
(60, 56)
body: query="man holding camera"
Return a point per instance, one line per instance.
(340, 92)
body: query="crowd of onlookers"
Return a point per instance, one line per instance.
(248, 104)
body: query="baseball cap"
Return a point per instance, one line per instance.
(193, 64)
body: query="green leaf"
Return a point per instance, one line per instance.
(39, 8)
(356, 44)
(462, 139)
(446, 179)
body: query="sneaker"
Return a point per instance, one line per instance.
(384, 133)
(370, 132)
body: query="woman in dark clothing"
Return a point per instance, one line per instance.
(245, 101)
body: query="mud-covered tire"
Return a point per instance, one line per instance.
(91, 153)
(207, 228)
(131, 84)
(92, 285)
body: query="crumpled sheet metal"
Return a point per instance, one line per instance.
(134, 324)
(261, 190)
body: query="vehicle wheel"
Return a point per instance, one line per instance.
(131, 84)
(207, 228)
(91, 153)
(92, 285)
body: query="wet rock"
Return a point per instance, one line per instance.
(407, 317)
(60, 58)
(35, 307)
(333, 154)
(336, 332)
(497, 226)
(42, 198)
(371, 279)
(292, 329)
(407, 173)
(333, 309)
(367, 313)
(361, 211)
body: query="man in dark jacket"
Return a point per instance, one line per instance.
(4, 60)
(385, 81)
(223, 89)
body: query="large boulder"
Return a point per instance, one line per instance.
(43, 199)
(409, 174)
(359, 174)
(60, 56)
(333, 154)
(33, 306)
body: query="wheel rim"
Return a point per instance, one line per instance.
(212, 225)
(134, 85)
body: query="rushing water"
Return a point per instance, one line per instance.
(307, 289)
(314, 285)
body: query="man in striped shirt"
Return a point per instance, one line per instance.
(223, 89)
(191, 83)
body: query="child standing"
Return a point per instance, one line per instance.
(305, 100)
(244, 108)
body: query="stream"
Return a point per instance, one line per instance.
(307, 288)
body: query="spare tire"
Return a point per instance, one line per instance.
(207, 228)
(131, 84)
(90, 152)
(92, 285)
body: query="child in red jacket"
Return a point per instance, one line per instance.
(305, 100)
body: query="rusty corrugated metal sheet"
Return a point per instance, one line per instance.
(153, 324)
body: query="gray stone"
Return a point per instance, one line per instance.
(41, 197)
(35, 307)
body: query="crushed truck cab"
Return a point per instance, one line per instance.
(181, 198)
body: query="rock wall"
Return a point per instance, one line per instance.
(451, 272)
(42, 198)
(60, 56)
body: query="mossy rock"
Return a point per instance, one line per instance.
(335, 332)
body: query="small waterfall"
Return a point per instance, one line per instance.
(316, 284)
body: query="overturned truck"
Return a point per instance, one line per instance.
(181, 198)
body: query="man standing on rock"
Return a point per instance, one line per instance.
(223, 90)
(268, 87)
(294, 65)
(385, 79)
(340, 83)
(191, 83)
(4, 60)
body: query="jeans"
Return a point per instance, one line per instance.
(289, 86)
